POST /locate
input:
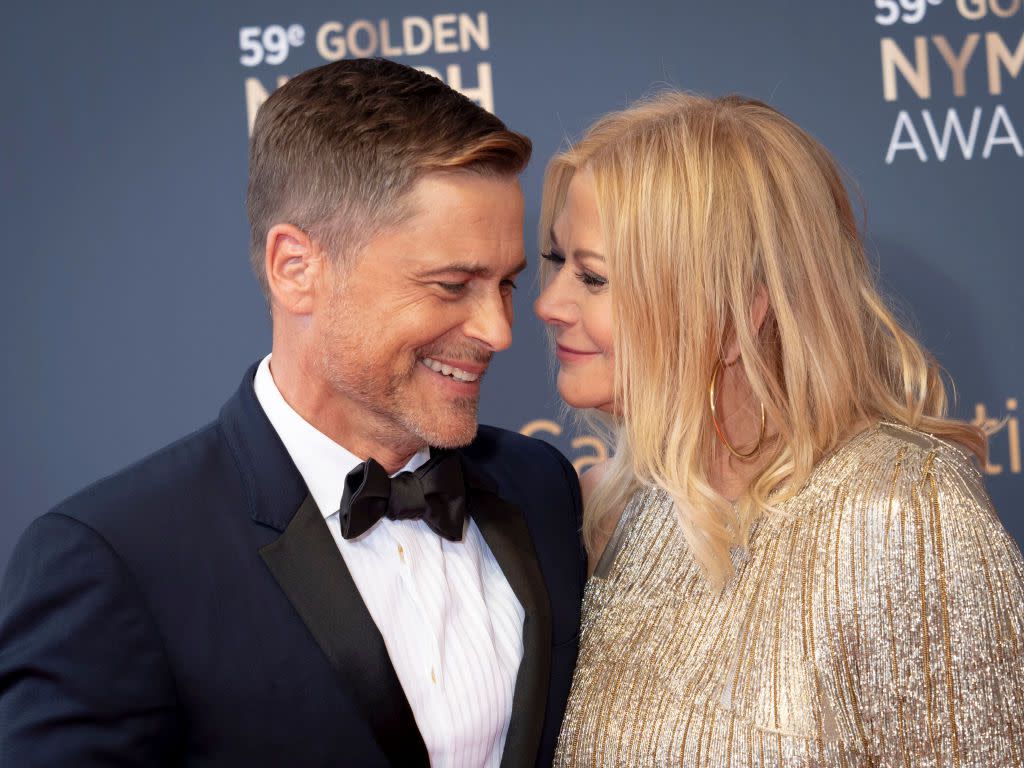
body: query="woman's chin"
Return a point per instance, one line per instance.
(585, 401)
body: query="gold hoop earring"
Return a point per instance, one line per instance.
(712, 397)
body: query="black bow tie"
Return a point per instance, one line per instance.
(434, 493)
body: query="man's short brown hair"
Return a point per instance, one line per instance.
(335, 149)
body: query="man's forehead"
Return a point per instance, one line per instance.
(459, 222)
(466, 193)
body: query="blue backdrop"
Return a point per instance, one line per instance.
(129, 313)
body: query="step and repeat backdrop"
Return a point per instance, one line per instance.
(129, 312)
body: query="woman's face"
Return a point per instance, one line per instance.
(576, 303)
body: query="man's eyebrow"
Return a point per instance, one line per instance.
(471, 269)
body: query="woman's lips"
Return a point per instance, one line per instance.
(570, 355)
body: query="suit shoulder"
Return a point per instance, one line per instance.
(168, 477)
(497, 445)
(509, 457)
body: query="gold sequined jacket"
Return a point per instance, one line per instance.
(876, 619)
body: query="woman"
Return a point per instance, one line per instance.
(794, 559)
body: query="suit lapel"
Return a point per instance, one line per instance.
(504, 529)
(313, 575)
(310, 570)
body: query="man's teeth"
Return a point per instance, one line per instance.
(449, 370)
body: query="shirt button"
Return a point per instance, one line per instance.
(433, 677)
(401, 553)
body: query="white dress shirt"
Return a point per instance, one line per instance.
(451, 623)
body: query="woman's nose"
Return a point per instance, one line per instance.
(554, 306)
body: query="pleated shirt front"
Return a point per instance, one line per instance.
(451, 623)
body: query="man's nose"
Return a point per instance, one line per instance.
(491, 323)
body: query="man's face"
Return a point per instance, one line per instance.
(412, 321)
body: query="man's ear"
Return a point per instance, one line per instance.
(758, 312)
(294, 263)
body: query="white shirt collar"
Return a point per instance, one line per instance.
(322, 463)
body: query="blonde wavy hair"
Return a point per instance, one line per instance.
(704, 203)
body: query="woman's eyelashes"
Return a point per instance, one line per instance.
(588, 278)
(591, 280)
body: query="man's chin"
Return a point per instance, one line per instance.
(451, 438)
(445, 426)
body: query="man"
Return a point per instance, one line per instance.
(341, 570)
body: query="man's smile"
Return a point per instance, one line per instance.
(465, 372)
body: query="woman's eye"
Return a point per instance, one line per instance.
(554, 257)
(591, 280)
(508, 286)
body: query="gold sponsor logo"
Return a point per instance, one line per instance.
(587, 449)
(1004, 440)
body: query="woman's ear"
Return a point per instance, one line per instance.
(758, 312)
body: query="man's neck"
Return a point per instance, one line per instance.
(346, 423)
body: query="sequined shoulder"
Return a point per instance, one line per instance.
(618, 537)
(869, 461)
(902, 434)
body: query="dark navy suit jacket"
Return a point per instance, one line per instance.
(194, 610)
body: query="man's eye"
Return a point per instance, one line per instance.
(554, 257)
(453, 288)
